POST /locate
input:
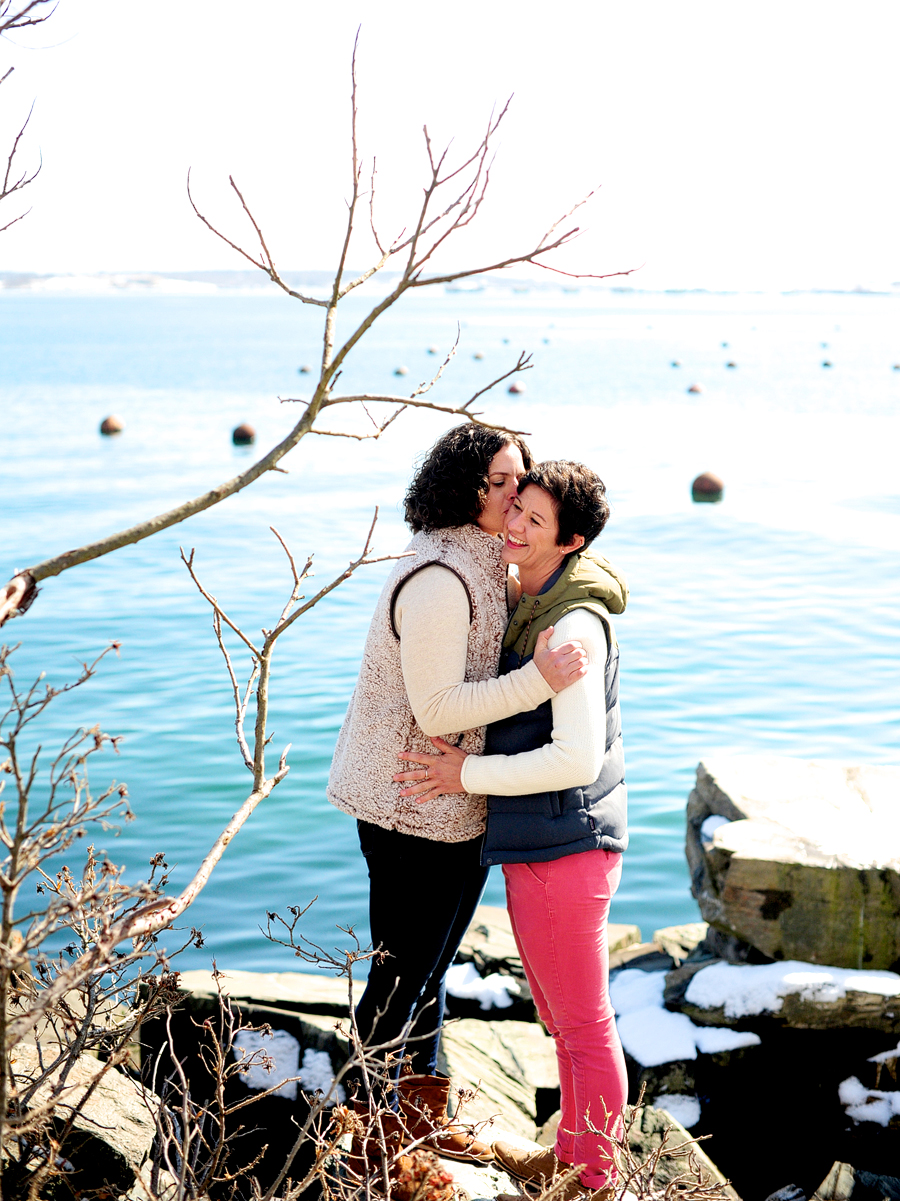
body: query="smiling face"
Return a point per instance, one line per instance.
(530, 536)
(504, 473)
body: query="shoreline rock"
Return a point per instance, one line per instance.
(799, 859)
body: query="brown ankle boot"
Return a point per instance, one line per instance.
(423, 1103)
(537, 1165)
(364, 1160)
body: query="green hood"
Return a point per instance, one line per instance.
(588, 582)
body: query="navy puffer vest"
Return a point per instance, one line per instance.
(541, 826)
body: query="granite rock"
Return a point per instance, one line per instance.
(113, 1122)
(490, 945)
(305, 992)
(844, 1183)
(821, 1009)
(648, 1129)
(681, 941)
(804, 859)
(504, 1064)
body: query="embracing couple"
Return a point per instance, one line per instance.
(500, 690)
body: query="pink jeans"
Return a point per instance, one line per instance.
(558, 912)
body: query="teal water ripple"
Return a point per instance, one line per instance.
(765, 624)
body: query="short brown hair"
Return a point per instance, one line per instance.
(451, 486)
(580, 495)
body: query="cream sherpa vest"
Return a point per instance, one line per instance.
(379, 721)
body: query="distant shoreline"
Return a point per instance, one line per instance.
(318, 284)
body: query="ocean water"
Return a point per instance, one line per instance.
(767, 623)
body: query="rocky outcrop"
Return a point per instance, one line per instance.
(798, 995)
(648, 1129)
(113, 1122)
(504, 1064)
(799, 859)
(844, 1183)
(681, 941)
(304, 992)
(490, 945)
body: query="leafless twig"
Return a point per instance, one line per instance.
(451, 200)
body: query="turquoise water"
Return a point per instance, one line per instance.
(766, 623)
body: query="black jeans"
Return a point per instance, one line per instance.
(422, 896)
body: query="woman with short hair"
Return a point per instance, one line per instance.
(430, 667)
(555, 782)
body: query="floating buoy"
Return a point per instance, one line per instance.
(826, 363)
(401, 371)
(478, 355)
(304, 370)
(112, 425)
(695, 388)
(897, 366)
(432, 350)
(824, 345)
(707, 488)
(243, 435)
(506, 341)
(546, 341)
(725, 345)
(675, 363)
(731, 364)
(516, 389)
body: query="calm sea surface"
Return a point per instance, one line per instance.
(768, 623)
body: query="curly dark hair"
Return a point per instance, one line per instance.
(451, 486)
(580, 495)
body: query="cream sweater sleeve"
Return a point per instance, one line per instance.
(432, 617)
(575, 755)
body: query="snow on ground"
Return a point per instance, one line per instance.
(493, 992)
(316, 1073)
(682, 1108)
(744, 989)
(868, 1104)
(708, 829)
(277, 1060)
(652, 1034)
(278, 1064)
(886, 1055)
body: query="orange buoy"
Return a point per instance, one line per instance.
(243, 435)
(112, 425)
(516, 389)
(695, 388)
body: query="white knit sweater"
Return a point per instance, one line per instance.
(381, 719)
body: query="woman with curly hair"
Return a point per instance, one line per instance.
(429, 668)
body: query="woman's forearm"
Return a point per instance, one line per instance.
(575, 755)
(432, 614)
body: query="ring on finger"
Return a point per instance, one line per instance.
(426, 773)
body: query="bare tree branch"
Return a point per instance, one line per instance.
(435, 222)
(265, 264)
(20, 16)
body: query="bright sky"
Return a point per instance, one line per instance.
(739, 143)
